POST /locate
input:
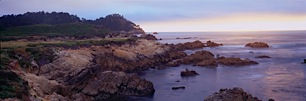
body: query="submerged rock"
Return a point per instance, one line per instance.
(197, 57)
(208, 63)
(235, 94)
(257, 45)
(263, 56)
(189, 73)
(212, 44)
(178, 87)
(235, 61)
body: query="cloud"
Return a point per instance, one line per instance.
(150, 11)
(239, 22)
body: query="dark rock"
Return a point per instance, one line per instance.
(109, 85)
(271, 100)
(235, 94)
(263, 56)
(148, 37)
(189, 73)
(155, 33)
(257, 45)
(235, 61)
(189, 45)
(174, 63)
(212, 44)
(305, 61)
(177, 81)
(184, 38)
(178, 87)
(208, 63)
(197, 57)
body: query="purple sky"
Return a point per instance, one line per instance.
(146, 12)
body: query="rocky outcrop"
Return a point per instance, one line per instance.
(188, 73)
(116, 85)
(232, 61)
(263, 56)
(148, 37)
(208, 63)
(197, 57)
(212, 44)
(188, 45)
(235, 94)
(206, 59)
(257, 45)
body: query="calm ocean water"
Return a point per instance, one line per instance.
(282, 77)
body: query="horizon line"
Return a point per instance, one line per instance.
(231, 31)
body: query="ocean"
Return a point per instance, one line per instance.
(281, 77)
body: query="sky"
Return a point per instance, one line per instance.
(179, 15)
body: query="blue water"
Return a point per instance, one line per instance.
(282, 77)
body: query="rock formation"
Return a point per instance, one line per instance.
(257, 45)
(188, 45)
(232, 61)
(188, 73)
(212, 44)
(263, 56)
(148, 37)
(235, 94)
(208, 63)
(116, 85)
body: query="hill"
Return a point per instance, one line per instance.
(60, 24)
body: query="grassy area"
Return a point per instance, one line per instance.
(78, 30)
(19, 44)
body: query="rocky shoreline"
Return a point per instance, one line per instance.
(108, 72)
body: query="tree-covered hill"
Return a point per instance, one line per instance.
(60, 24)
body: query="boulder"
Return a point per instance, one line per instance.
(305, 61)
(232, 61)
(208, 63)
(212, 44)
(235, 94)
(197, 57)
(189, 73)
(263, 56)
(257, 45)
(189, 45)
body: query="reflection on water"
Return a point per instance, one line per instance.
(281, 77)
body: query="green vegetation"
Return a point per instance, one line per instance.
(11, 85)
(77, 30)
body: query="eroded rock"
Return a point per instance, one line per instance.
(235, 94)
(189, 73)
(189, 45)
(208, 63)
(109, 85)
(232, 61)
(212, 44)
(257, 45)
(148, 37)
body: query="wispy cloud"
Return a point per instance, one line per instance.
(146, 11)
